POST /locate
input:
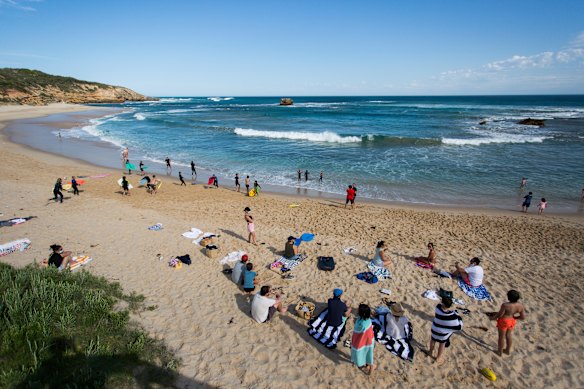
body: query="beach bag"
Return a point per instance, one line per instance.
(305, 309)
(208, 241)
(326, 263)
(445, 293)
(186, 259)
(211, 251)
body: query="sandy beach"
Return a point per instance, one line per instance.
(204, 317)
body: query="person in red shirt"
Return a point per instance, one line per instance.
(350, 197)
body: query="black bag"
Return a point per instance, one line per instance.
(186, 259)
(445, 293)
(326, 263)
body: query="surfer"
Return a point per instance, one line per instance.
(141, 168)
(215, 181)
(129, 166)
(125, 186)
(182, 181)
(57, 190)
(237, 181)
(193, 170)
(168, 167)
(74, 186)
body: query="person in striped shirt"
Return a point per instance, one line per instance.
(446, 322)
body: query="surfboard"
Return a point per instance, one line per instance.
(294, 205)
(67, 186)
(79, 182)
(143, 181)
(130, 166)
(211, 180)
(129, 185)
(252, 193)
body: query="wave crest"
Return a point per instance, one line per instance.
(508, 138)
(326, 136)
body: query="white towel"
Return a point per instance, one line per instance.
(349, 250)
(193, 233)
(431, 294)
(232, 257)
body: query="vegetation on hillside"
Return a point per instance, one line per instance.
(63, 329)
(22, 79)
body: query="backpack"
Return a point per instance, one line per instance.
(326, 263)
(186, 259)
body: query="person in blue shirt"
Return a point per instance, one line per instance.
(249, 278)
(526, 202)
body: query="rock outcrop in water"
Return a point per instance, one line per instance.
(25, 86)
(533, 122)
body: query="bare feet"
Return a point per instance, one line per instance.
(499, 353)
(439, 361)
(506, 351)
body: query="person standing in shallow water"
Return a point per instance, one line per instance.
(193, 170)
(237, 181)
(168, 166)
(306, 175)
(299, 174)
(320, 178)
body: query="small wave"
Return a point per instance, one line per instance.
(508, 138)
(326, 136)
(174, 99)
(139, 116)
(217, 99)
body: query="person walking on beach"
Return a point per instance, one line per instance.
(507, 317)
(141, 168)
(306, 175)
(542, 205)
(215, 181)
(125, 186)
(182, 180)
(526, 202)
(129, 166)
(193, 170)
(320, 178)
(523, 184)
(247, 185)
(125, 153)
(299, 174)
(350, 197)
(57, 190)
(250, 226)
(257, 188)
(237, 181)
(446, 322)
(74, 186)
(168, 166)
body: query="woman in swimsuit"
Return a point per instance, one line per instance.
(250, 226)
(431, 258)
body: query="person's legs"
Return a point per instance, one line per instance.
(280, 306)
(60, 195)
(501, 341)
(508, 334)
(439, 359)
(431, 347)
(253, 238)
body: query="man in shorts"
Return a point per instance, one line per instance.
(526, 202)
(263, 307)
(350, 197)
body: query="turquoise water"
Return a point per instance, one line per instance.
(411, 149)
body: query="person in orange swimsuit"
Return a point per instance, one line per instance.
(507, 317)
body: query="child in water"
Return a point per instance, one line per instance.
(507, 317)
(542, 205)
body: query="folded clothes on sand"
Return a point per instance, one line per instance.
(326, 334)
(15, 245)
(368, 277)
(232, 257)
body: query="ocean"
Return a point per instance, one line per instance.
(424, 150)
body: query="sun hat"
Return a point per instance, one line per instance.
(337, 292)
(244, 258)
(397, 309)
(291, 237)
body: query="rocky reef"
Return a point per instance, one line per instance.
(25, 86)
(532, 122)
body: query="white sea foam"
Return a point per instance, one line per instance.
(502, 138)
(174, 99)
(139, 116)
(217, 99)
(326, 136)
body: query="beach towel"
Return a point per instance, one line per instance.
(16, 221)
(399, 347)
(379, 271)
(368, 277)
(156, 227)
(326, 334)
(284, 264)
(424, 265)
(306, 237)
(232, 257)
(15, 245)
(193, 233)
(362, 343)
(479, 293)
(78, 261)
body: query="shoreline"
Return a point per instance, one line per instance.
(40, 121)
(204, 319)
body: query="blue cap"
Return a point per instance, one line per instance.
(337, 292)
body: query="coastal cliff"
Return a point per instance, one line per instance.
(25, 86)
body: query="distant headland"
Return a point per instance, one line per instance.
(25, 86)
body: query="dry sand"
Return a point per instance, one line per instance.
(204, 318)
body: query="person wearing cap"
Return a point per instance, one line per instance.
(264, 307)
(396, 323)
(338, 310)
(237, 273)
(290, 249)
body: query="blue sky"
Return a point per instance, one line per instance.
(277, 48)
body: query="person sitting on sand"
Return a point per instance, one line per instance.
(59, 258)
(471, 275)
(380, 262)
(290, 249)
(507, 318)
(363, 341)
(430, 259)
(249, 278)
(338, 310)
(237, 272)
(446, 322)
(263, 307)
(396, 323)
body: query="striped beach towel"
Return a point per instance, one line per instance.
(326, 334)
(287, 263)
(445, 323)
(362, 343)
(399, 347)
(479, 293)
(379, 271)
(78, 261)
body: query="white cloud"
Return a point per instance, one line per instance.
(541, 60)
(578, 41)
(22, 5)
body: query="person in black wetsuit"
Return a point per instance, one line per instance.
(182, 181)
(125, 186)
(193, 170)
(57, 190)
(306, 175)
(141, 168)
(74, 186)
(237, 181)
